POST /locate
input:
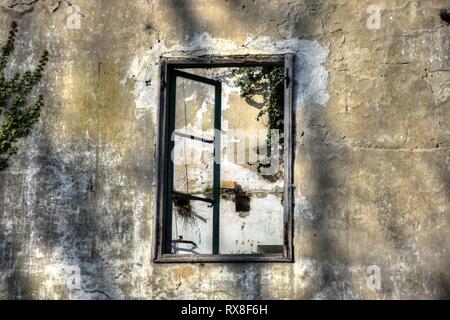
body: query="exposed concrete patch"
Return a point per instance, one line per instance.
(306, 271)
(303, 208)
(439, 83)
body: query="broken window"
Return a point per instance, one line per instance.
(225, 159)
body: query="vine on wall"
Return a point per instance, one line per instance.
(266, 82)
(16, 115)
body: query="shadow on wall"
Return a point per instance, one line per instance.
(297, 18)
(54, 226)
(71, 210)
(76, 211)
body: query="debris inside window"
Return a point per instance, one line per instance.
(251, 160)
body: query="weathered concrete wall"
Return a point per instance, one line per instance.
(372, 148)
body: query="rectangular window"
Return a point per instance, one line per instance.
(225, 159)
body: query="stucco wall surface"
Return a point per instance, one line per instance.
(372, 157)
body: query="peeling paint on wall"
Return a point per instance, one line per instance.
(311, 77)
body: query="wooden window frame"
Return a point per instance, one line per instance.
(167, 71)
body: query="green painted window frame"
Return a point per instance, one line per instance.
(170, 69)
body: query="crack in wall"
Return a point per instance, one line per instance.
(14, 3)
(26, 6)
(97, 291)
